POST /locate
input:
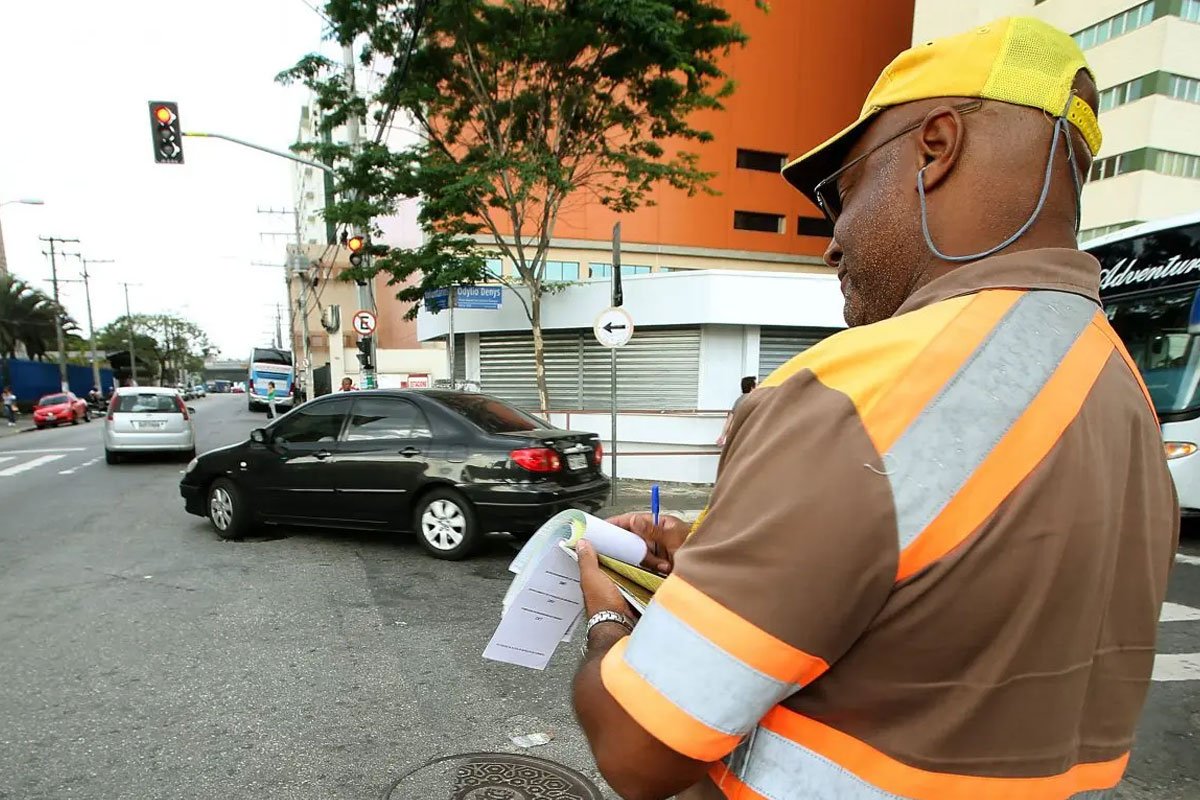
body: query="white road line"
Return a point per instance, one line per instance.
(1177, 667)
(1194, 561)
(6, 458)
(28, 465)
(43, 450)
(1174, 612)
(72, 470)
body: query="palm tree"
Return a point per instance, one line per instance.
(27, 318)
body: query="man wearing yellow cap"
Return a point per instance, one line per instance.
(939, 541)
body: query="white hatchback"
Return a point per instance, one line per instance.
(148, 419)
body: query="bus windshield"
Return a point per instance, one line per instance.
(1155, 329)
(269, 355)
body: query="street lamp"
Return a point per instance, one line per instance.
(25, 201)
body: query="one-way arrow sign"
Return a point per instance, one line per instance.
(613, 327)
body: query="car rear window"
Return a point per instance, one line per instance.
(147, 404)
(490, 414)
(53, 400)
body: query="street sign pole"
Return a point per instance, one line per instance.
(453, 295)
(617, 299)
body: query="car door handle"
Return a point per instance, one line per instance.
(321, 455)
(410, 452)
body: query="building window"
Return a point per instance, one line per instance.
(1122, 23)
(758, 221)
(1182, 88)
(1190, 10)
(1121, 94)
(760, 160)
(602, 270)
(561, 271)
(1178, 165)
(1104, 230)
(814, 226)
(1107, 168)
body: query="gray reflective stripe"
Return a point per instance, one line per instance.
(952, 436)
(699, 678)
(780, 769)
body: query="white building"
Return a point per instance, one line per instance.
(697, 333)
(1146, 56)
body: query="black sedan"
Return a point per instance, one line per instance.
(450, 465)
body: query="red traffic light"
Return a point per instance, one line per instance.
(164, 115)
(355, 244)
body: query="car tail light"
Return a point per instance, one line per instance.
(599, 454)
(250, 386)
(537, 459)
(182, 407)
(112, 407)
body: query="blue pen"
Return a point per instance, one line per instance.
(654, 502)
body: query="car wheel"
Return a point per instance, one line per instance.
(41, 427)
(445, 525)
(87, 415)
(74, 417)
(227, 510)
(110, 457)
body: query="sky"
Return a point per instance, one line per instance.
(76, 134)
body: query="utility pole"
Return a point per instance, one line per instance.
(354, 133)
(278, 328)
(87, 293)
(58, 311)
(129, 327)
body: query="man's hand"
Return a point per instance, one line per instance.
(663, 539)
(599, 593)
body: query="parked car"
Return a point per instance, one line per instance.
(237, 388)
(451, 466)
(148, 419)
(55, 409)
(199, 390)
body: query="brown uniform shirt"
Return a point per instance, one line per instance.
(933, 561)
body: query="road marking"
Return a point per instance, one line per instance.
(1194, 561)
(6, 458)
(1177, 667)
(71, 471)
(28, 465)
(1174, 612)
(44, 450)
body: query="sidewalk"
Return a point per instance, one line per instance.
(681, 499)
(23, 426)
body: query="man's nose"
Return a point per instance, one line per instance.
(833, 254)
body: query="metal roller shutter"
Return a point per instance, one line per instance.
(657, 370)
(460, 358)
(777, 346)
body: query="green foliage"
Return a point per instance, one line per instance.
(519, 105)
(27, 319)
(175, 344)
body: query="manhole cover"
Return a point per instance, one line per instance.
(493, 776)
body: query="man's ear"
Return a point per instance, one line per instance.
(939, 143)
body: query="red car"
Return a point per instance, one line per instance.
(55, 409)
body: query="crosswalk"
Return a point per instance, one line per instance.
(19, 462)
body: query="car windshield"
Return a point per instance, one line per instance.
(490, 414)
(53, 400)
(147, 404)
(1155, 330)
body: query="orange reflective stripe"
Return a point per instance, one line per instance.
(1016, 454)
(928, 373)
(657, 715)
(736, 636)
(901, 779)
(1106, 328)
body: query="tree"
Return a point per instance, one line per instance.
(520, 105)
(27, 318)
(175, 344)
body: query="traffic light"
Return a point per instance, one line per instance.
(364, 353)
(164, 127)
(356, 245)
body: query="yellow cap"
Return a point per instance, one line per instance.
(1019, 60)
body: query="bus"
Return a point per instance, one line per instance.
(267, 365)
(1150, 287)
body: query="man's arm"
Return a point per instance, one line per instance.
(635, 764)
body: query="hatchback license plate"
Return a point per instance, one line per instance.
(576, 461)
(150, 425)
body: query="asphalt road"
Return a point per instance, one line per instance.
(141, 657)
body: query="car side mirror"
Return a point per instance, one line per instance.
(191, 410)
(258, 435)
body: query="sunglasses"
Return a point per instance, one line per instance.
(829, 199)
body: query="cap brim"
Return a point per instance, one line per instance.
(823, 160)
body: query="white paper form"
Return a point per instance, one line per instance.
(540, 614)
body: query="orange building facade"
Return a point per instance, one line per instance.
(801, 77)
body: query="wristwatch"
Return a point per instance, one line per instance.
(601, 617)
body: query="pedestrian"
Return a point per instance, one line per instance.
(271, 395)
(748, 384)
(347, 385)
(9, 399)
(932, 565)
